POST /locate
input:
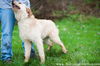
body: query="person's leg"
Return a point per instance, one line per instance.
(7, 23)
(0, 34)
(32, 50)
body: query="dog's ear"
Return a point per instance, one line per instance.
(28, 10)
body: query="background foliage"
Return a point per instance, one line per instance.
(61, 8)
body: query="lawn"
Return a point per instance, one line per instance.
(81, 36)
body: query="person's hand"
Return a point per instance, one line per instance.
(28, 10)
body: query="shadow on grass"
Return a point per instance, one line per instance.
(54, 53)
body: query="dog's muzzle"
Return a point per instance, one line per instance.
(14, 5)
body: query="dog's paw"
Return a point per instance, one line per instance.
(25, 61)
(42, 62)
(49, 48)
(65, 51)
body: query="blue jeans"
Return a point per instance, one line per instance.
(7, 25)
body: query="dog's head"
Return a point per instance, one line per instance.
(21, 10)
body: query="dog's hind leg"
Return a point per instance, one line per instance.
(49, 43)
(39, 44)
(55, 38)
(27, 45)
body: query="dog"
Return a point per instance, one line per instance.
(35, 30)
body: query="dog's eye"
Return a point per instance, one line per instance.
(19, 2)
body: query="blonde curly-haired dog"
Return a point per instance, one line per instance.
(35, 30)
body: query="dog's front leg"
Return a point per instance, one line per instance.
(39, 44)
(27, 50)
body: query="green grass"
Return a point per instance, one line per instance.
(81, 36)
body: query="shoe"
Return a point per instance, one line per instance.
(7, 61)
